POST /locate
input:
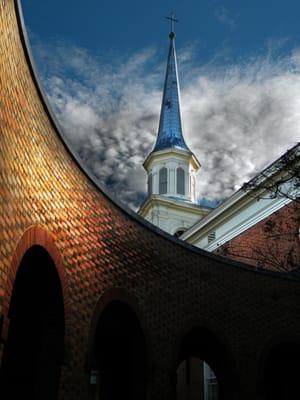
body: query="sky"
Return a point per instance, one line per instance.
(102, 64)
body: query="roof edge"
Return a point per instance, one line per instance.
(239, 194)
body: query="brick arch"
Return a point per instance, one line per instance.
(266, 350)
(209, 326)
(231, 382)
(110, 295)
(35, 235)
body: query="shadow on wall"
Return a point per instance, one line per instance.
(33, 351)
(280, 380)
(119, 354)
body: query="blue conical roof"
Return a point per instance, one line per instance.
(170, 129)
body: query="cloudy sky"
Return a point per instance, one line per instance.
(103, 64)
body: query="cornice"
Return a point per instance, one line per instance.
(161, 154)
(172, 203)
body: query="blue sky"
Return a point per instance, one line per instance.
(105, 27)
(103, 64)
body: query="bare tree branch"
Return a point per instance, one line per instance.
(280, 180)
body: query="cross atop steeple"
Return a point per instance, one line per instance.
(171, 166)
(170, 129)
(172, 19)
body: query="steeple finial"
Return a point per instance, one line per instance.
(172, 19)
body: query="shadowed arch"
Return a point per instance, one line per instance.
(118, 351)
(278, 369)
(199, 342)
(35, 235)
(34, 347)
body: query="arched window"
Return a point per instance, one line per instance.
(180, 181)
(150, 184)
(179, 232)
(163, 181)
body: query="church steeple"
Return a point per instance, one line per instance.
(170, 133)
(171, 167)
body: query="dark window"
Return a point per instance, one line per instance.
(179, 232)
(180, 181)
(163, 180)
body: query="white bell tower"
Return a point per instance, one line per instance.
(171, 166)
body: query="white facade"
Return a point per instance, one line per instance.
(239, 213)
(245, 209)
(170, 214)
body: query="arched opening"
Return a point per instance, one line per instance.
(280, 373)
(179, 232)
(202, 371)
(120, 354)
(196, 380)
(180, 181)
(33, 352)
(163, 180)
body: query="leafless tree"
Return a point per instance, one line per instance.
(279, 180)
(275, 247)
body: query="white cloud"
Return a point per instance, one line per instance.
(237, 118)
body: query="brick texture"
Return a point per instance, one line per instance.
(103, 252)
(273, 243)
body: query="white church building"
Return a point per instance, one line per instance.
(171, 168)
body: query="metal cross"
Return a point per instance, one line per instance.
(172, 19)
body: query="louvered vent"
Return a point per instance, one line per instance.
(211, 237)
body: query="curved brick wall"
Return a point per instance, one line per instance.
(103, 251)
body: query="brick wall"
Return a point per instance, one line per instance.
(273, 243)
(103, 252)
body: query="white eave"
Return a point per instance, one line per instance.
(174, 203)
(242, 196)
(179, 152)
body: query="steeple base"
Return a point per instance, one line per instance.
(171, 214)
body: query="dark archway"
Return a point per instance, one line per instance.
(120, 354)
(33, 351)
(281, 372)
(196, 381)
(198, 350)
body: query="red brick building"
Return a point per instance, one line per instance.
(273, 242)
(259, 224)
